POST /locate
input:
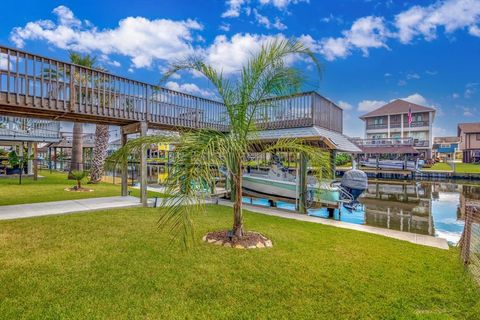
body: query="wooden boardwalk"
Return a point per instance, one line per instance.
(36, 86)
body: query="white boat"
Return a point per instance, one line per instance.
(281, 183)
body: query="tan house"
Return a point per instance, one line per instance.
(469, 134)
(390, 123)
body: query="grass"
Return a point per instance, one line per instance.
(439, 166)
(467, 168)
(51, 188)
(117, 265)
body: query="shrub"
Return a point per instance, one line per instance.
(79, 175)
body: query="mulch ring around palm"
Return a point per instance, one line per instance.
(250, 240)
(76, 189)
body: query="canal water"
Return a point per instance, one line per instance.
(425, 207)
(429, 208)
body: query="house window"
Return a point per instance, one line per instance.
(478, 136)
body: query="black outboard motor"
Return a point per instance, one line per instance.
(353, 184)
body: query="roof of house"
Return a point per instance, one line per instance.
(472, 127)
(446, 139)
(397, 107)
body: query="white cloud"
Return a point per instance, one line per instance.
(401, 83)
(264, 21)
(431, 72)
(417, 99)
(229, 55)
(224, 27)
(474, 31)
(413, 76)
(332, 18)
(189, 88)
(234, 8)
(468, 112)
(370, 105)
(418, 21)
(141, 39)
(452, 15)
(386, 75)
(455, 95)
(470, 89)
(364, 34)
(345, 105)
(281, 4)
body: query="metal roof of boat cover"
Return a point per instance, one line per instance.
(332, 139)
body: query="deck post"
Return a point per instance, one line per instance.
(302, 183)
(35, 161)
(143, 167)
(124, 169)
(30, 161)
(333, 154)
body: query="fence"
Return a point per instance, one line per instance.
(470, 240)
(156, 173)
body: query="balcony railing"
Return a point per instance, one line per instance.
(395, 125)
(415, 124)
(377, 126)
(32, 85)
(18, 128)
(420, 143)
(394, 142)
(378, 142)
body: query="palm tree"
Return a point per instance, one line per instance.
(101, 131)
(201, 154)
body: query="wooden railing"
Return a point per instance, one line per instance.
(377, 142)
(32, 84)
(23, 128)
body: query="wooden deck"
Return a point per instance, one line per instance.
(35, 86)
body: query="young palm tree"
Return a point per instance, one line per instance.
(200, 154)
(101, 131)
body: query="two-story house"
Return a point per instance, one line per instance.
(391, 122)
(446, 148)
(469, 134)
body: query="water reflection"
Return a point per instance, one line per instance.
(429, 208)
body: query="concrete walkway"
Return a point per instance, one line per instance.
(400, 235)
(68, 206)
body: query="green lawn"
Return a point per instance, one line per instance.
(117, 265)
(439, 166)
(467, 168)
(51, 188)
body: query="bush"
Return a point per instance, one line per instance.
(342, 158)
(79, 176)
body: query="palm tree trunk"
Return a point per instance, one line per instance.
(76, 162)
(99, 153)
(237, 204)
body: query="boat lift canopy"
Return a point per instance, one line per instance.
(314, 134)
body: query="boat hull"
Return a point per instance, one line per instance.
(286, 189)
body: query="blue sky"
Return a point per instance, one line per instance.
(371, 51)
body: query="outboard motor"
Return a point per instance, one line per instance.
(353, 184)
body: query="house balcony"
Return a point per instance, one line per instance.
(421, 143)
(376, 126)
(416, 124)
